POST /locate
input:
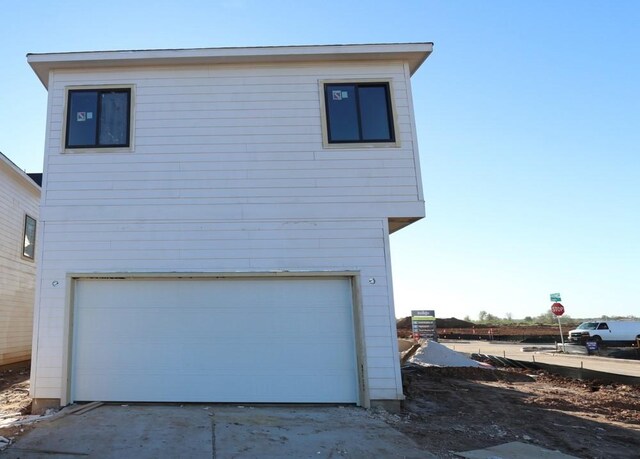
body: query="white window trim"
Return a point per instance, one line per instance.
(358, 145)
(90, 150)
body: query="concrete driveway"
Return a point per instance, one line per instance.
(214, 431)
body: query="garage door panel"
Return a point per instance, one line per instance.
(237, 388)
(280, 357)
(251, 340)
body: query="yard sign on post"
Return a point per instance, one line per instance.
(558, 310)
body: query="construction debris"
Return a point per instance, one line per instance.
(81, 409)
(4, 442)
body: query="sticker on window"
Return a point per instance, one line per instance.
(345, 95)
(89, 115)
(337, 94)
(81, 116)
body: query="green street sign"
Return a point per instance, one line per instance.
(555, 297)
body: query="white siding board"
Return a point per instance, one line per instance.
(268, 124)
(380, 373)
(222, 165)
(238, 210)
(229, 244)
(292, 137)
(231, 148)
(200, 179)
(224, 132)
(377, 321)
(247, 191)
(383, 394)
(183, 88)
(380, 352)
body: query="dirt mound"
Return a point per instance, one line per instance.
(405, 322)
(403, 326)
(432, 353)
(452, 322)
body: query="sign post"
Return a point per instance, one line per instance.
(558, 310)
(423, 324)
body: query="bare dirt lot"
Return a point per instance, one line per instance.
(456, 329)
(14, 397)
(459, 409)
(14, 391)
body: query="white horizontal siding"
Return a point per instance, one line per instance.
(216, 246)
(224, 135)
(17, 274)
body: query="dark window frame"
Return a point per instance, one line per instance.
(98, 91)
(26, 254)
(390, 111)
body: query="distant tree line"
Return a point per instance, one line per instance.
(545, 318)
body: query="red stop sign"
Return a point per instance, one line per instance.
(557, 309)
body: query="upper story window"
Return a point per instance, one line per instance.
(29, 247)
(358, 113)
(98, 118)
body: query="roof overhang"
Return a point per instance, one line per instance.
(413, 53)
(11, 166)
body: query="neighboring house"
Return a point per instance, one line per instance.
(19, 201)
(216, 223)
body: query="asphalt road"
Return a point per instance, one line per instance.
(514, 351)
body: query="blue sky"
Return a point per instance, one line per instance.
(528, 118)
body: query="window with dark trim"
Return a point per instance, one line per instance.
(98, 118)
(29, 244)
(358, 113)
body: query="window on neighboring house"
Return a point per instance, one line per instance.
(98, 118)
(29, 247)
(358, 113)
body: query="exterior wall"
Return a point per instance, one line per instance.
(18, 196)
(232, 142)
(228, 173)
(207, 246)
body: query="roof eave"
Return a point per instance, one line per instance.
(414, 53)
(19, 172)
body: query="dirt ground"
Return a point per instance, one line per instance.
(459, 409)
(14, 398)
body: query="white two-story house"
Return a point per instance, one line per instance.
(215, 224)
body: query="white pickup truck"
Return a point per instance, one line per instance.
(609, 332)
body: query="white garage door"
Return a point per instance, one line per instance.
(224, 340)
